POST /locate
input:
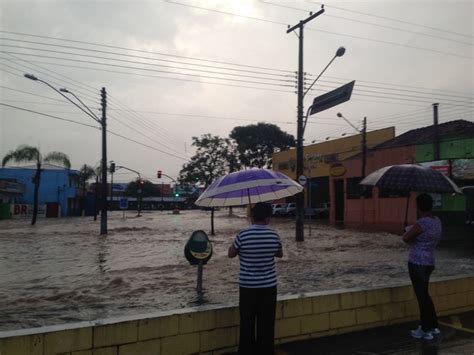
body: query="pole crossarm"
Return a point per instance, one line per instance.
(303, 22)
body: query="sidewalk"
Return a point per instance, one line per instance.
(457, 337)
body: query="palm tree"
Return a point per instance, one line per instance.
(26, 153)
(86, 172)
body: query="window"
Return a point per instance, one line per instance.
(355, 191)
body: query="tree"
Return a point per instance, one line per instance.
(257, 143)
(86, 172)
(26, 153)
(148, 189)
(214, 157)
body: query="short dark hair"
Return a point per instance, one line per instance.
(261, 211)
(424, 202)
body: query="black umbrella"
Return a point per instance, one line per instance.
(411, 177)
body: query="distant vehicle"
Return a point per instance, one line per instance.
(322, 209)
(291, 209)
(279, 209)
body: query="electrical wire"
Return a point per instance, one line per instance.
(91, 126)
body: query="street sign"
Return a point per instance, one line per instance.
(332, 98)
(302, 180)
(123, 203)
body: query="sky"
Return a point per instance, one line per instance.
(174, 70)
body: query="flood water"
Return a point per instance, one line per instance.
(62, 271)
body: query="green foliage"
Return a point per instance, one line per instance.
(148, 189)
(257, 143)
(215, 156)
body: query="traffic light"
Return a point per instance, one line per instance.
(141, 183)
(176, 194)
(158, 174)
(112, 168)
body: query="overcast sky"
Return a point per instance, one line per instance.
(178, 69)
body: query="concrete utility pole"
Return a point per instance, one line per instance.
(299, 135)
(103, 122)
(436, 133)
(364, 147)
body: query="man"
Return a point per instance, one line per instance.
(257, 246)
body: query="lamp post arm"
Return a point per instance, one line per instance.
(327, 66)
(67, 98)
(306, 118)
(83, 104)
(124, 167)
(349, 122)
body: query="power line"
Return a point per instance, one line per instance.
(143, 69)
(309, 74)
(87, 125)
(162, 77)
(148, 52)
(137, 62)
(82, 85)
(371, 23)
(329, 32)
(143, 57)
(396, 20)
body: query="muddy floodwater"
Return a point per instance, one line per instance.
(62, 271)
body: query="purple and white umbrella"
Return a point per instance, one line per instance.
(247, 187)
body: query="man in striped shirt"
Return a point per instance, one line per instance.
(257, 246)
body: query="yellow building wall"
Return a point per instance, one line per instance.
(331, 151)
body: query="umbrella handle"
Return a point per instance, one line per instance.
(406, 211)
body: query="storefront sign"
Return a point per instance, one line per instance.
(337, 170)
(23, 210)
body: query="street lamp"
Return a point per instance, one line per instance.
(102, 122)
(363, 132)
(301, 125)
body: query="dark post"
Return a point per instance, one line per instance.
(436, 155)
(299, 143)
(299, 228)
(199, 277)
(364, 146)
(103, 212)
(96, 199)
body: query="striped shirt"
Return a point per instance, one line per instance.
(257, 246)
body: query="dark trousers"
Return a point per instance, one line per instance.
(420, 279)
(257, 305)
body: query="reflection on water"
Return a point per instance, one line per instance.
(62, 270)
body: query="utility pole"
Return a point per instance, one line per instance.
(436, 133)
(299, 135)
(364, 147)
(103, 212)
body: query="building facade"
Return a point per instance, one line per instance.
(57, 191)
(353, 205)
(323, 159)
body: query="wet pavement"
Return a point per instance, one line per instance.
(457, 337)
(62, 271)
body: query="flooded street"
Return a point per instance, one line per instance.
(62, 271)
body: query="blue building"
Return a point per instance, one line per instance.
(57, 191)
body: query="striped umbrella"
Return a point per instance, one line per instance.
(247, 187)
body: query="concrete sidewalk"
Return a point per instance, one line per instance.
(457, 337)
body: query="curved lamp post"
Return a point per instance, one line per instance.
(102, 122)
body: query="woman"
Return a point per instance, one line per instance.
(423, 237)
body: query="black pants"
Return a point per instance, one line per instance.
(420, 279)
(257, 305)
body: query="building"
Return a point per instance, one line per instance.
(452, 153)
(323, 159)
(57, 191)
